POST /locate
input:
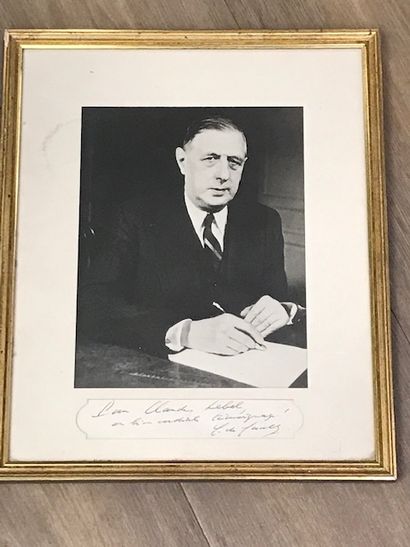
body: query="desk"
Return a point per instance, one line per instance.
(106, 366)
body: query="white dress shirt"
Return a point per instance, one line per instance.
(198, 216)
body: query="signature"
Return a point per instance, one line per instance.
(195, 418)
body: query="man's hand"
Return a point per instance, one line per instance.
(224, 335)
(266, 316)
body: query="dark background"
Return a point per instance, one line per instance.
(128, 152)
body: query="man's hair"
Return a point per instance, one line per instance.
(218, 123)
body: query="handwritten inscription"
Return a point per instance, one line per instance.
(198, 418)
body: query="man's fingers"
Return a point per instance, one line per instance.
(265, 324)
(243, 338)
(271, 328)
(264, 317)
(273, 321)
(254, 312)
(236, 346)
(244, 326)
(226, 351)
(245, 311)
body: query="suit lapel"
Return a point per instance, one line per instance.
(175, 228)
(241, 245)
(234, 234)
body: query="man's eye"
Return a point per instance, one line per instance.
(234, 164)
(210, 159)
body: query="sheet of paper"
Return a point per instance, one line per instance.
(277, 366)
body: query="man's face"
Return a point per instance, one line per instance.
(212, 164)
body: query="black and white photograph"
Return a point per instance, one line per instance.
(191, 269)
(195, 244)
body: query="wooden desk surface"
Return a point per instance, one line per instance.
(104, 366)
(244, 513)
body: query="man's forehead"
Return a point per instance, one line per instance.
(227, 140)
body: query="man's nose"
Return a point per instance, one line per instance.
(222, 172)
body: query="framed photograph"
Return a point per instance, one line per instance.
(194, 256)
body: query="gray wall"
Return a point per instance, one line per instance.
(282, 187)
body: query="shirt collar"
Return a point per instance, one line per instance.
(197, 216)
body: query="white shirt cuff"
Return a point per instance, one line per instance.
(174, 334)
(292, 309)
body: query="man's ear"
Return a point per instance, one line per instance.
(180, 157)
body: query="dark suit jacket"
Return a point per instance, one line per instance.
(155, 272)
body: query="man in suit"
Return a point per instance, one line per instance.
(203, 270)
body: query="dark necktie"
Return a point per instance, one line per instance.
(211, 243)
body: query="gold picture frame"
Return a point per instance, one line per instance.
(382, 465)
